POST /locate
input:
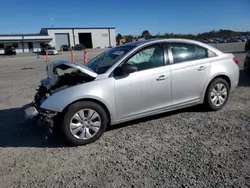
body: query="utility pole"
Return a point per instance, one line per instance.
(51, 20)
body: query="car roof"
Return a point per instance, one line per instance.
(141, 42)
(152, 41)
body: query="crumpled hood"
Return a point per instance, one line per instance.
(66, 65)
(52, 77)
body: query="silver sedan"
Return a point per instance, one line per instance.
(132, 81)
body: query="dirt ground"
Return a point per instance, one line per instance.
(184, 148)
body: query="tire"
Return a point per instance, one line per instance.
(79, 136)
(210, 95)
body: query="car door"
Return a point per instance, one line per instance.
(189, 68)
(148, 88)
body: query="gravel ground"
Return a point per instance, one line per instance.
(185, 148)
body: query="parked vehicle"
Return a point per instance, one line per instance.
(44, 48)
(131, 81)
(65, 47)
(207, 40)
(78, 47)
(238, 40)
(247, 45)
(2, 51)
(230, 40)
(246, 67)
(220, 40)
(10, 50)
(242, 39)
(51, 50)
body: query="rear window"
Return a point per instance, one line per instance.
(201, 52)
(183, 52)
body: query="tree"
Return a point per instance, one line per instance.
(145, 34)
(119, 37)
(129, 38)
(211, 34)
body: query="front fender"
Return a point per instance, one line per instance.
(101, 90)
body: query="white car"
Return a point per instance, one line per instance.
(52, 51)
(2, 51)
(132, 81)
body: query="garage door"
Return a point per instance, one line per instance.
(61, 39)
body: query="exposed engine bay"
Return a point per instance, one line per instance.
(61, 75)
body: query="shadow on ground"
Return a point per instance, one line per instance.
(244, 80)
(16, 131)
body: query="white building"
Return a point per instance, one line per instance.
(89, 37)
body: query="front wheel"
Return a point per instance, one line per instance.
(84, 122)
(217, 94)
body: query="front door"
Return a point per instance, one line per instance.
(189, 72)
(147, 89)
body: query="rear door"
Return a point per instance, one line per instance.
(189, 69)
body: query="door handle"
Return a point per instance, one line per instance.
(201, 68)
(162, 77)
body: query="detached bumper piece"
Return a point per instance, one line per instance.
(31, 112)
(45, 117)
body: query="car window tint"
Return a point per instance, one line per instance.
(202, 52)
(183, 52)
(149, 57)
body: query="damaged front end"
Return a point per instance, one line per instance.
(60, 75)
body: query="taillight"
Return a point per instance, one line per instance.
(235, 59)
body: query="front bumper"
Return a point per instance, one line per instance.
(30, 112)
(44, 117)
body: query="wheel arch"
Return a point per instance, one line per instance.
(223, 76)
(91, 100)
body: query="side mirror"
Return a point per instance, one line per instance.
(128, 68)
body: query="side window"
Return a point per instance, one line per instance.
(1, 46)
(211, 54)
(202, 52)
(183, 52)
(149, 57)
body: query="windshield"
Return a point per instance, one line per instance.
(101, 63)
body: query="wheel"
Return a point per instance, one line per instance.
(84, 123)
(217, 94)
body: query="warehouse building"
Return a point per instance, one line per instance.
(89, 37)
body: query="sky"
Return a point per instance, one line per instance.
(128, 16)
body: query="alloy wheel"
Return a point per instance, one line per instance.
(85, 124)
(218, 94)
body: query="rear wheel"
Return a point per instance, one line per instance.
(217, 94)
(84, 122)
